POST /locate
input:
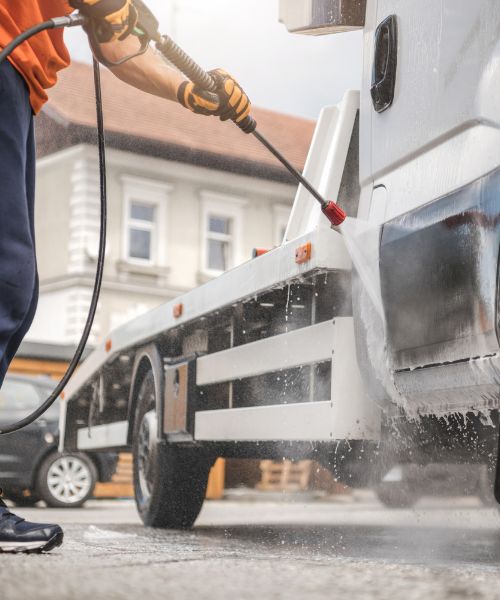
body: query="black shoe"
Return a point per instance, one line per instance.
(18, 535)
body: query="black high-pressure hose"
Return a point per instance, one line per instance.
(56, 23)
(72, 21)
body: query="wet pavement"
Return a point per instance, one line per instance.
(444, 549)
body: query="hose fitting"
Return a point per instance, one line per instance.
(73, 20)
(333, 213)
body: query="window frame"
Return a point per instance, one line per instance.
(223, 206)
(281, 217)
(142, 225)
(149, 193)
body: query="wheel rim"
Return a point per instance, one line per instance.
(145, 454)
(69, 479)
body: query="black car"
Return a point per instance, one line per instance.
(31, 468)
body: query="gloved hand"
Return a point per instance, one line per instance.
(229, 101)
(114, 19)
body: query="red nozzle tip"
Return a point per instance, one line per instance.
(334, 213)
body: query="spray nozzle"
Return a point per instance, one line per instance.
(333, 213)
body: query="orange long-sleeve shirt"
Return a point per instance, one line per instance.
(40, 58)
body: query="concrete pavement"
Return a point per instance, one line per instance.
(260, 550)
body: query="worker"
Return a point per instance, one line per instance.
(24, 79)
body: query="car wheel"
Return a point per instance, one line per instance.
(20, 500)
(66, 480)
(169, 481)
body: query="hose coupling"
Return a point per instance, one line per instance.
(333, 213)
(74, 20)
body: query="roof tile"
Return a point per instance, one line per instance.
(132, 112)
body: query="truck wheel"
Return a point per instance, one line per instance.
(169, 480)
(66, 480)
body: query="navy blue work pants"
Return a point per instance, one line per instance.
(18, 272)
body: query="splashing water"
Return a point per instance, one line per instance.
(362, 242)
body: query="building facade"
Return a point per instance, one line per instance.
(188, 198)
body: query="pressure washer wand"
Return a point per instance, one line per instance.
(330, 209)
(198, 76)
(176, 55)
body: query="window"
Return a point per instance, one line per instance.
(17, 396)
(221, 232)
(141, 230)
(219, 243)
(145, 221)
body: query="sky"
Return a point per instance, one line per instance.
(290, 73)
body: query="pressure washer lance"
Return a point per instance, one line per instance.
(148, 27)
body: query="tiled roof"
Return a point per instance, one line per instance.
(132, 113)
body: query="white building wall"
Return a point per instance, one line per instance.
(50, 322)
(54, 187)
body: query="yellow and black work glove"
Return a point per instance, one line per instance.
(229, 101)
(113, 19)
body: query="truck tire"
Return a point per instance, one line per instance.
(169, 480)
(66, 480)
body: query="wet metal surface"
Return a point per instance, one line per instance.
(443, 549)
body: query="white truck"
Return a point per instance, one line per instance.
(290, 355)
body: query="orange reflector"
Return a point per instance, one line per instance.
(303, 253)
(178, 310)
(256, 252)
(62, 396)
(108, 345)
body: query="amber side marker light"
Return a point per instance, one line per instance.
(108, 345)
(303, 253)
(178, 310)
(256, 252)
